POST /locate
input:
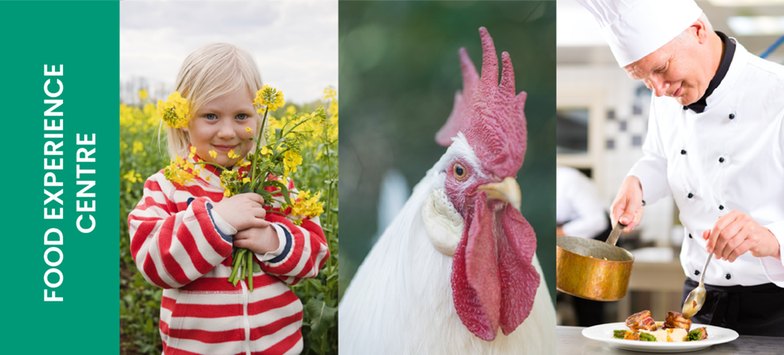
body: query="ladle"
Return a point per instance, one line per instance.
(696, 297)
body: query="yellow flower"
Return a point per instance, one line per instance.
(269, 97)
(179, 171)
(329, 93)
(241, 162)
(132, 176)
(245, 180)
(249, 130)
(229, 182)
(137, 147)
(233, 155)
(175, 111)
(274, 123)
(143, 94)
(290, 162)
(192, 152)
(291, 110)
(126, 115)
(333, 131)
(214, 154)
(265, 151)
(307, 206)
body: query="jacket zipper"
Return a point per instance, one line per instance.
(245, 301)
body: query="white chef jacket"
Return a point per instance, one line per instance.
(730, 157)
(578, 206)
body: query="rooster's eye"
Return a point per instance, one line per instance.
(459, 171)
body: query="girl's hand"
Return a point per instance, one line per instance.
(243, 211)
(258, 240)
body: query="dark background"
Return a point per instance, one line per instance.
(399, 71)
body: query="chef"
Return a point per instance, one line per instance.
(715, 142)
(579, 211)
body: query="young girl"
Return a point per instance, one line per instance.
(182, 235)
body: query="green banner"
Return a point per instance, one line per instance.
(60, 71)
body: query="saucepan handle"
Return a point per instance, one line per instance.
(616, 232)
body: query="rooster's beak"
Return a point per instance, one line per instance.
(507, 190)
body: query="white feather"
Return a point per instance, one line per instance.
(400, 300)
(443, 224)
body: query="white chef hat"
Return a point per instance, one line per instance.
(636, 28)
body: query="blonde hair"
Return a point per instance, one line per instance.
(211, 71)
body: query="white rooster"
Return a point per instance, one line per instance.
(459, 262)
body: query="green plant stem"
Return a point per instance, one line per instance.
(276, 212)
(295, 126)
(327, 298)
(328, 221)
(324, 342)
(233, 267)
(237, 265)
(204, 162)
(249, 268)
(241, 147)
(258, 149)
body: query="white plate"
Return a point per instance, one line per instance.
(604, 332)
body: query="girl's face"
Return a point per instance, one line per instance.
(220, 125)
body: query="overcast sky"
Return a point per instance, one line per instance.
(294, 42)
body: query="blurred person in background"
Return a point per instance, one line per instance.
(579, 212)
(715, 142)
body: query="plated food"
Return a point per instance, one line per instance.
(675, 328)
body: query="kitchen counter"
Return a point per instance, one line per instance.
(570, 340)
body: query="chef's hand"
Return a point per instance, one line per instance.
(627, 207)
(735, 233)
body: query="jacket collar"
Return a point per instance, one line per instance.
(724, 66)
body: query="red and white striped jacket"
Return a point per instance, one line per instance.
(176, 246)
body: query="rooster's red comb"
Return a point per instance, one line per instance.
(489, 115)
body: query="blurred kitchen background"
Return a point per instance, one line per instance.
(399, 71)
(602, 120)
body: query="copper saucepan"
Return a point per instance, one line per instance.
(592, 269)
